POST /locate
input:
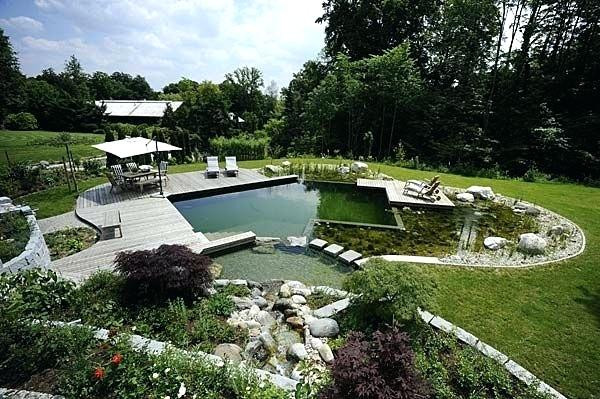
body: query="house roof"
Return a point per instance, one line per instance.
(137, 108)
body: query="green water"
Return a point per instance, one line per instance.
(285, 210)
(308, 267)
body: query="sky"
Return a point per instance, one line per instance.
(165, 40)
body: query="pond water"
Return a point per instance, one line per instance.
(285, 210)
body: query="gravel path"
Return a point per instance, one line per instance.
(60, 222)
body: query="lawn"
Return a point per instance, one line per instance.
(545, 318)
(34, 146)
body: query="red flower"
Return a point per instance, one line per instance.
(116, 359)
(99, 373)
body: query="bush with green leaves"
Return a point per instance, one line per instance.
(35, 293)
(92, 167)
(21, 121)
(169, 271)
(391, 291)
(378, 367)
(243, 146)
(14, 235)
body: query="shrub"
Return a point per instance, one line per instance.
(243, 147)
(168, 271)
(68, 241)
(97, 301)
(21, 121)
(34, 293)
(378, 368)
(92, 167)
(391, 291)
(14, 235)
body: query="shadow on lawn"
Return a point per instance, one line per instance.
(591, 300)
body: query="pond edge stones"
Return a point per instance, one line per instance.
(333, 249)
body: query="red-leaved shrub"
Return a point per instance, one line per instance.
(168, 271)
(380, 368)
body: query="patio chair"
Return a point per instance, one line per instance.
(116, 182)
(231, 168)
(132, 167)
(117, 171)
(418, 185)
(163, 167)
(429, 193)
(212, 167)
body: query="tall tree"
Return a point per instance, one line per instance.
(11, 79)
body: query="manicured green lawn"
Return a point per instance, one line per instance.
(545, 318)
(32, 146)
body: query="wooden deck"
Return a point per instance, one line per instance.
(394, 191)
(149, 220)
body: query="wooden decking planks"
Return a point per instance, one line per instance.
(225, 243)
(394, 190)
(148, 221)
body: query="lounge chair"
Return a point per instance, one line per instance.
(116, 182)
(418, 185)
(231, 168)
(429, 192)
(163, 167)
(212, 167)
(132, 167)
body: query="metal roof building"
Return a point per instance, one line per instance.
(137, 108)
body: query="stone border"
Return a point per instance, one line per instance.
(515, 369)
(36, 253)
(22, 394)
(151, 346)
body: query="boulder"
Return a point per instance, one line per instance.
(295, 284)
(282, 304)
(495, 243)
(301, 291)
(256, 351)
(215, 270)
(297, 241)
(344, 170)
(522, 207)
(557, 230)
(316, 343)
(359, 167)
(265, 318)
(298, 299)
(532, 244)
(269, 343)
(253, 311)
(297, 352)
(481, 192)
(44, 164)
(253, 324)
(230, 352)
(242, 303)
(325, 353)
(260, 302)
(286, 164)
(465, 197)
(272, 168)
(324, 328)
(295, 321)
(285, 291)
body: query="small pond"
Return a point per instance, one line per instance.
(285, 210)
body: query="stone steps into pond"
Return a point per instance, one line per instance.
(348, 257)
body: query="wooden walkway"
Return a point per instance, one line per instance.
(394, 190)
(149, 220)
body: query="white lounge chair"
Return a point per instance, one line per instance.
(231, 168)
(212, 167)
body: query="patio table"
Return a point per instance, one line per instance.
(132, 176)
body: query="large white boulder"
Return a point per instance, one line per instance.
(230, 352)
(530, 243)
(324, 328)
(297, 351)
(465, 197)
(326, 353)
(495, 243)
(481, 192)
(359, 167)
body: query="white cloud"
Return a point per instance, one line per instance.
(165, 40)
(22, 24)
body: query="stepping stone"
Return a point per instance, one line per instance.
(318, 243)
(350, 256)
(333, 250)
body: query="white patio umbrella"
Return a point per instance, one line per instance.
(132, 146)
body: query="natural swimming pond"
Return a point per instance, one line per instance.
(285, 210)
